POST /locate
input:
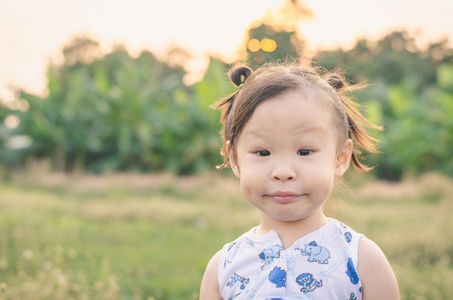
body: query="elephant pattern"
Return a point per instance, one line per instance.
(315, 253)
(269, 254)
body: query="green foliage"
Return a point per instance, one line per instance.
(419, 129)
(116, 113)
(393, 59)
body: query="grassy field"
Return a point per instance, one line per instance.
(128, 236)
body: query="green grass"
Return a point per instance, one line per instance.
(127, 236)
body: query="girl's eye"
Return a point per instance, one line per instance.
(304, 152)
(263, 153)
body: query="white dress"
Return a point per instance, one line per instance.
(319, 265)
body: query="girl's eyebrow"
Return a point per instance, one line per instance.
(309, 129)
(256, 134)
(259, 134)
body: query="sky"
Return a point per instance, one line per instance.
(33, 32)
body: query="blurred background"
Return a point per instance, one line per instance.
(108, 144)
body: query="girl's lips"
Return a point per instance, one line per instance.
(284, 197)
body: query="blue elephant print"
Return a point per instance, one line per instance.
(351, 272)
(308, 283)
(269, 254)
(315, 253)
(237, 278)
(278, 276)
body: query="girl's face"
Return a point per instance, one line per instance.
(287, 157)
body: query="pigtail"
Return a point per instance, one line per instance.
(238, 76)
(357, 123)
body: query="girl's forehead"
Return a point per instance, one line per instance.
(302, 98)
(291, 114)
(291, 111)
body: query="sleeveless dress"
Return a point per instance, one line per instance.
(319, 265)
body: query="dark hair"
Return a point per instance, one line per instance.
(272, 80)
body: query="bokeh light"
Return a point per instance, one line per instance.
(12, 121)
(254, 45)
(268, 45)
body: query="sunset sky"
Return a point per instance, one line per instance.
(34, 31)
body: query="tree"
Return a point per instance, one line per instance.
(276, 36)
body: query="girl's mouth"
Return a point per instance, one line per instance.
(284, 197)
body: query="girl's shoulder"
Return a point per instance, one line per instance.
(376, 274)
(209, 284)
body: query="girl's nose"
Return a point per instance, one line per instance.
(284, 171)
(283, 178)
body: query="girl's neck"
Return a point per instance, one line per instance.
(289, 232)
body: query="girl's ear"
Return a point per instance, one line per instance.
(343, 159)
(233, 159)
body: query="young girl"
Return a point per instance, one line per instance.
(287, 135)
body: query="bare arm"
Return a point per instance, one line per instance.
(210, 284)
(375, 272)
